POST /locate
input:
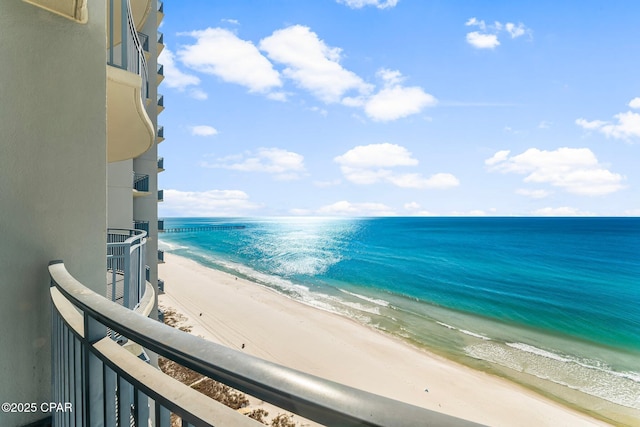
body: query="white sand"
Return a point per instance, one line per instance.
(233, 311)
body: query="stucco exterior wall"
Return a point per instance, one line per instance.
(52, 181)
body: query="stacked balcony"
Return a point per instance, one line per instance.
(129, 129)
(160, 42)
(160, 11)
(126, 266)
(160, 225)
(160, 164)
(160, 70)
(140, 184)
(160, 103)
(160, 256)
(141, 225)
(160, 134)
(161, 195)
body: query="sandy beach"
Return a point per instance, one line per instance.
(245, 316)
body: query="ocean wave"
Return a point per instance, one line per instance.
(464, 331)
(379, 302)
(589, 376)
(168, 246)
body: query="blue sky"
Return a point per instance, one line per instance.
(400, 107)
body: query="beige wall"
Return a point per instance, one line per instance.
(52, 181)
(120, 194)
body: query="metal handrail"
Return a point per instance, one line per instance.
(131, 50)
(309, 396)
(125, 265)
(141, 181)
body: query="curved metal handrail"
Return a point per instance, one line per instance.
(309, 396)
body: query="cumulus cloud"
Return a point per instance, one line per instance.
(284, 165)
(487, 36)
(177, 79)
(203, 130)
(359, 4)
(561, 211)
(346, 208)
(575, 170)
(626, 125)
(207, 203)
(482, 41)
(370, 164)
(221, 53)
(311, 64)
(395, 101)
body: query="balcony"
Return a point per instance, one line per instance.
(160, 286)
(129, 129)
(160, 11)
(160, 256)
(160, 134)
(160, 164)
(140, 185)
(160, 42)
(126, 282)
(160, 103)
(160, 225)
(161, 195)
(74, 10)
(141, 225)
(160, 77)
(108, 385)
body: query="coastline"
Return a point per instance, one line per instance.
(233, 311)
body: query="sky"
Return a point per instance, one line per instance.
(400, 108)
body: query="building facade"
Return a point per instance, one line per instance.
(78, 131)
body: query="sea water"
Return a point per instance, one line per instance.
(556, 300)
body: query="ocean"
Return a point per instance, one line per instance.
(551, 303)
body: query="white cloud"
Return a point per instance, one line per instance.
(203, 130)
(482, 41)
(544, 124)
(500, 156)
(632, 212)
(173, 77)
(311, 64)
(284, 165)
(415, 180)
(358, 4)
(377, 155)
(395, 101)
(221, 53)
(346, 208)
(370, 164)
(561, 211)
(515, 30)
(198, 94)
(207, 203)
(634, 103)
(627, 126)
(487, 37)
(576, 170)
(534, 194)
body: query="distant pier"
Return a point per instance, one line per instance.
(203, 228)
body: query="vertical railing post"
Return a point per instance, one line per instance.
(93, 379)
(127, 277)
(124, 29)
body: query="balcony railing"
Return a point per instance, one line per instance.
(160, 255)
(128, 53)
(160, 195)
(126, 266)
(160, 133)
(144, 41)
(141, 182)
(160, 38)
(107, 385)
(141, 225)
(160, 164)
(160, 286)
(160, 225)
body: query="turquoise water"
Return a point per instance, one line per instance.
(555, 298)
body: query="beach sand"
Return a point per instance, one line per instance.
(235, 312)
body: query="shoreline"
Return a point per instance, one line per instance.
(235, 312)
